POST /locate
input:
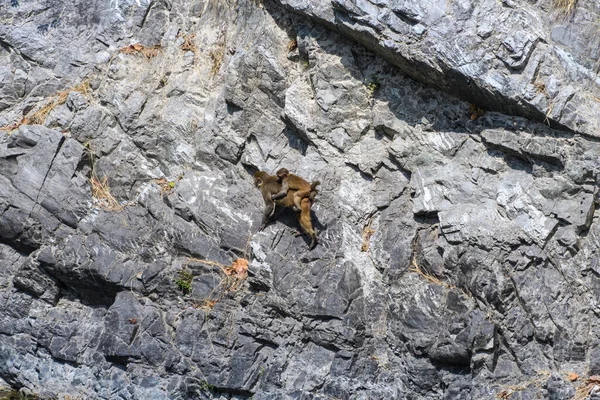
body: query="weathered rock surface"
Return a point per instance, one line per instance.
(531, 58)
(458, 257)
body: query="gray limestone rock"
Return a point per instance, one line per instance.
(458, 253)
(532, 59)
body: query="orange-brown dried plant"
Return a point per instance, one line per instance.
(137, 48)
(475, 111)
(37, 116)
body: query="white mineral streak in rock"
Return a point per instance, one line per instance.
(441, 141)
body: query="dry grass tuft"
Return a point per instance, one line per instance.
(568, 6)
(166, 186)
(366, 236)
(100, 187)
(549, 112)
(147, 52)
(589, 385)
(235, 275)
(206, 305)
(188, 43)
(38, 117)
(417, 269)
(11, 127)
(537, 382)
(540, 87)
(217, 58)
(238, 269)
(292, 45)
(101, 192)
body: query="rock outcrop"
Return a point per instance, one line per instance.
(459, 243)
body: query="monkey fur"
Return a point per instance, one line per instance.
(269, 185)
(300, 187)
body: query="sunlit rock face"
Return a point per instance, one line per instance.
(456, 145)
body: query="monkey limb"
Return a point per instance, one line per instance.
(269, 185)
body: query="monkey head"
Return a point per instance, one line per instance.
(282, 173)
(259, 178)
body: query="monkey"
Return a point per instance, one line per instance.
(300, 186)
(269, 185)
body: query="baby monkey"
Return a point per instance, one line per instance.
(302, 189)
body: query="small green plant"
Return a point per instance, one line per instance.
(373, 85)
(206, 386)
(166, 186)
(184, 282)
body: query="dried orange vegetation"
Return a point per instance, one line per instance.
(207, 304)
(147, 52)
(38, 117)
(366, 236)
(537, 382)
(239, 269)
(585, 389)
(540, 88)
(188, 43)
(235, 274)
(167, 186)
(572, 376)
(11, 127)
(475, 111)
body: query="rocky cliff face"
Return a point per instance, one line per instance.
(459, 244)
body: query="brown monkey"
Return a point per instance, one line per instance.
(300, 186)
(269, 185)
